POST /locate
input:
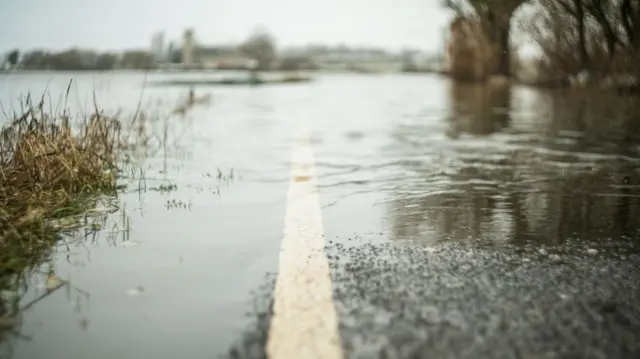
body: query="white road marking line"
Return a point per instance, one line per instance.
(304, 323)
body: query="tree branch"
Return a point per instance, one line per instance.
(626, 14)
(595, 7)
(567, 7)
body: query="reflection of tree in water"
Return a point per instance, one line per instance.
(19, 296)
(10, 319)
(32, 278)
(602, 121)
(7, 321)
(541, 191)
(478, 109)
(15, 301)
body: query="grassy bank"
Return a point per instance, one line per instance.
(46, 172)
(54, 167)
(54, 170)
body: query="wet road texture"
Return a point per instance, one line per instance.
(459, 221)
(499, 248)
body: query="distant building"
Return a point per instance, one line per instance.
(220, 57)
(188, 45)
(157, 47)
(358, 60)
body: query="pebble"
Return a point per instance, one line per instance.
(592, 251)
(543, 251)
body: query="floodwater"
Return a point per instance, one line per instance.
(400, 159)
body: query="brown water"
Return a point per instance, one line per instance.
(409, 158)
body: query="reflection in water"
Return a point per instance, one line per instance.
(478, 110)
(570, 174)
(25, 291)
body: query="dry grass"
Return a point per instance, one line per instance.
(53, 166)
(54, 169)
(46, 169)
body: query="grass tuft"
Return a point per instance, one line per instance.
(52, 167)
(54, 170)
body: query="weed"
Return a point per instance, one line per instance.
(54, 171)
(164, 188)
(174, 204)
(47, 171)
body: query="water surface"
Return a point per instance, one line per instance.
(401, 158)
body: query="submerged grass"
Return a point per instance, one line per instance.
(52, 166)
(50, 171)
(46, 172)
(55, 169)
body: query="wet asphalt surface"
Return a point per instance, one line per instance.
(459, 223)
(411, 300)
(452, 302)
(471, 267)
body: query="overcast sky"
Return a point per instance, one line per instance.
(123, 24)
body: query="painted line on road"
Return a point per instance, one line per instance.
(304, 324)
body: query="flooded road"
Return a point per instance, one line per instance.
(459, 222)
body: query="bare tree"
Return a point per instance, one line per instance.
(575, 9)
(596, 35)
(630, 18)
(603, 12)
(13, 57)
(494, 17)
(260, 47)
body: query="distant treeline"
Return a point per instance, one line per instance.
(260, 47)
(79, 59)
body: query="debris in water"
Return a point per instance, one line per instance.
(134, 292)
(53, 282)
(301, 178)
(84, 324)
(129, 243)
